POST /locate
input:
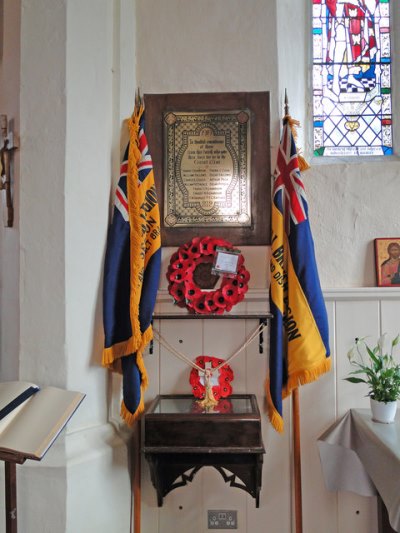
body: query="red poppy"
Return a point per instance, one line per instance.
(224, 406)
(195, 248)
(225, 390)
(183, 252)
(178, 265)
(216, 392)
(242, 288)
(243, 275)
(174, 257)
(230, 293)
(177, 291)
(192, 291)
(199, 306)
(210, 304)
(240, 261)
(219, 299)
(176, 275)
(206, 246)
(197, 392)
(227, 373)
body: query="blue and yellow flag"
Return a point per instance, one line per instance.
(132, 269)
(299, 346)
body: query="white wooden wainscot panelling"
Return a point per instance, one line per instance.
(352, 313)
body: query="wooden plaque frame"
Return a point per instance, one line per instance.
(258, 105)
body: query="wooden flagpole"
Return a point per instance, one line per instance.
(298, 499)
(137, 491)
(137, 436)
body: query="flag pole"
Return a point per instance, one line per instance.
(286, 104)
(137, 463)
(298, 499)
(297, 461)
(137, 492)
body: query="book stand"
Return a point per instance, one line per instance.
(48, 411)
(10, 485)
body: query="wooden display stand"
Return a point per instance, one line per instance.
(180, 436)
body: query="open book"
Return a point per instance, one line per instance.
(31, 418)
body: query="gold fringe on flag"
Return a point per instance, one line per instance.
(302, 377)
(294, 124)
(273, 415)
(306, 375)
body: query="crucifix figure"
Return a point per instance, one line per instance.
(5, 164)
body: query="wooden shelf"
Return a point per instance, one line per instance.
(183, 316)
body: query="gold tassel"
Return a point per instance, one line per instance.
(127, 416)
(302, 377)
(293, 125)
(273, 415)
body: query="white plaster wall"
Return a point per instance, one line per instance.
(206, 45)
(9, 237)
(42, 223)
(292, 65)
(88, 167)
(350, 205)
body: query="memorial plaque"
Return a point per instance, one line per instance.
(207, 162)
(211, 158)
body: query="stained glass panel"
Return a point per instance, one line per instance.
(351, 77)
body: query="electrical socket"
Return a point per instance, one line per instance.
(222, 519)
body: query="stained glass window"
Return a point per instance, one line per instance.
(351, 77)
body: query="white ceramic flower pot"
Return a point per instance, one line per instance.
(383, 412)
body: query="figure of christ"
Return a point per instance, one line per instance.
(351, 40)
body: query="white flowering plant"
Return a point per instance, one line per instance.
(376, 368)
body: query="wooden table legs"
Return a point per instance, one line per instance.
(10, 470)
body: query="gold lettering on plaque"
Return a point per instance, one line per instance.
(207, 162)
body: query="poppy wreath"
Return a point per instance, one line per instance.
(225, 376)
(181, 275)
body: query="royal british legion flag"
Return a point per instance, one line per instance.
(132, 269)
(299, 346)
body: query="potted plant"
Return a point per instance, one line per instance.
(380, 372)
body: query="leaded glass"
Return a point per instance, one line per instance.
(351, 77)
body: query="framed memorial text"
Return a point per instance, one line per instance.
(211, 158)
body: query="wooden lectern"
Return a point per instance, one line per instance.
(30, 421)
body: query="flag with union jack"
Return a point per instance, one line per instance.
(132, 269)
(299, 344)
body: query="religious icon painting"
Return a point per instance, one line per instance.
(352, 78)
(387, 261)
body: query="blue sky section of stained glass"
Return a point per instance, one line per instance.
(351, 78)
